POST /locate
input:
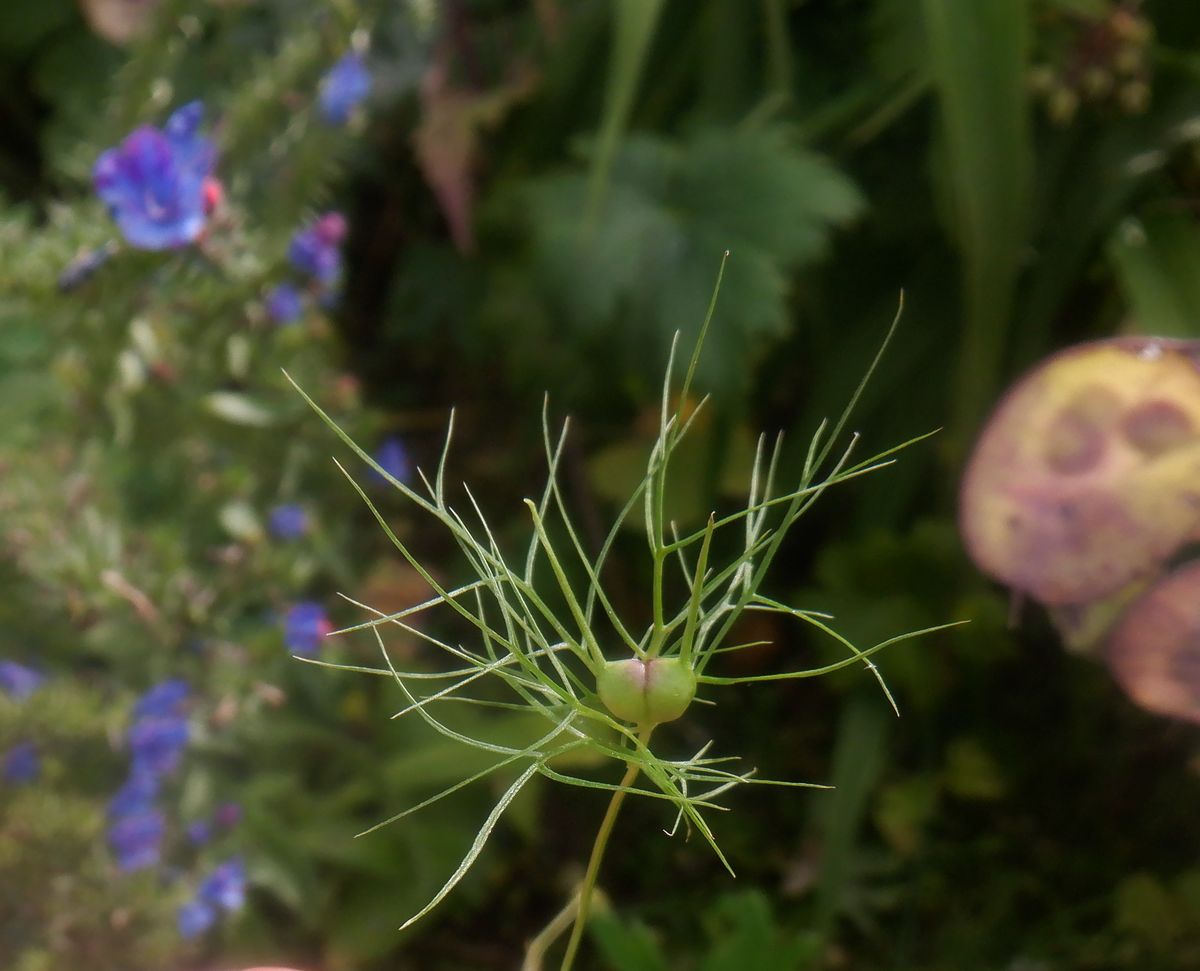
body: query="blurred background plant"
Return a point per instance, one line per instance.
(533, 197)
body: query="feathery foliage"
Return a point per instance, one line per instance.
(550, 658)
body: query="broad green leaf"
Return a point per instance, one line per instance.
(746, 937)
(634, 22)
(971, 772)
(625, 945)
(978, 56)
(1157, 260)
(645, 268)
(1144, 908)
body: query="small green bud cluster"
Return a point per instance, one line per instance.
(1098, 60)
(647, 692)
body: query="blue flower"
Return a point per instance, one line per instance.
(21, 763)
(157, 743)
(284, 304)
(344, 88)
(136, 839)
(195, 917)
(392, 457)
(225, 887)
(199, 832)
(288, 521)
(316, 249)
(304, 627)
(18, 681)
(165, 698)
(154, 182)
(136, 795)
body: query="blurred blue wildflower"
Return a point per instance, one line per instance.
(136, 795)
(344, 88)
(304, 627)
(157, 743)
(195, 917)
(288, 521)
(154, 182)
(165, 698)
(19, 681)
(136, 838)
(393, 458)
(316, 249)
(21, 763)
(225, 887)
(199, 832)
(284, 304)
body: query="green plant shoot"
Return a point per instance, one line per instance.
(600, 685)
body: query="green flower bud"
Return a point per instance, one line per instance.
(647, 692)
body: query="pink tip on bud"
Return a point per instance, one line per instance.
(331, 227)
(214, 195)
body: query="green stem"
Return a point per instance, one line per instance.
(588, 887)
(537, 947)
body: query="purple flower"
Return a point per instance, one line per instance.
(284, 304)
(154, 182)
(165, 698)
(288, 521)
(136, 839)
(157, 743)
(316, 249)
(225, 887)
(18, 681)
(304, 627)
(136, 795)
(21, 763)
(228, 814)
(343, 88)
(199, 832)
(195, 917)
(392, 457)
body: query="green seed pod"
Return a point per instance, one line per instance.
(647, 692)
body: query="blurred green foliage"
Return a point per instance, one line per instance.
(582, 167)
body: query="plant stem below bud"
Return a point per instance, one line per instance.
(588, 887)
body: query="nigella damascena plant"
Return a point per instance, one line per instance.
(547, 631)
(158, 183)
(344, 88)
